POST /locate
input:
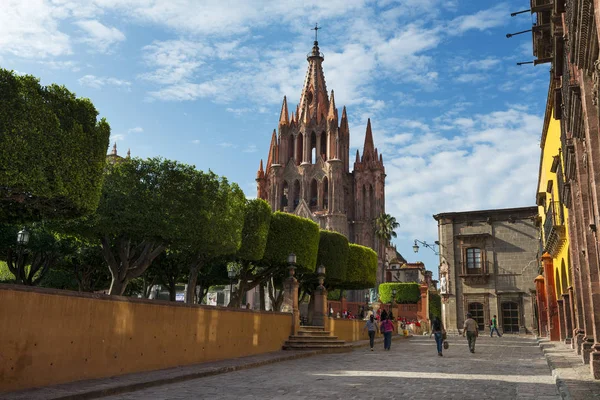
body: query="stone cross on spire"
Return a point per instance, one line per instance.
(316, 29)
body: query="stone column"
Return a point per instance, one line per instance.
(541, 305)
(290, 302)
(320, 312)
(561, 320)
(552, 306)
(568, 318)
(423, 312)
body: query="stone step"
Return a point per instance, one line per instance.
(313, 333)
(321, 337)
(314, 339)
(312, 346)
(312, 328)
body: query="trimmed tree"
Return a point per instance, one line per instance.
(52, 149)
(333, 253)
(255, 233)
(362, 267)
(406, 293)
(435, 305)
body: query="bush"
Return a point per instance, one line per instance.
(435, 306)
(362, 267)
(292, 234)
(333, 254)
(406, 293)
(256, 230)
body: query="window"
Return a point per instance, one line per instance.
(473, 258)
(510, 317)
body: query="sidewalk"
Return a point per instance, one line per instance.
(97, 388)
(573, 378)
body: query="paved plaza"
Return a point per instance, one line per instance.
(501, 368)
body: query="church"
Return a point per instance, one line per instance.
(307, 172)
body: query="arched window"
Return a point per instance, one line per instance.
(474, 260)
(290, 147)
(299, 148)
(284, 196)
(324, 146)
(296, 193)
(313, 199)
(557, 284)
(313, 148)
(325, 193)
(476, 311)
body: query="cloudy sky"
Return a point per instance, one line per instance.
(201, 81)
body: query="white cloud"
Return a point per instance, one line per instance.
(61, 65)
(226, 144)
(470, 78)
(196, 141)
(250, 149)
(481, 20)
(99, 36)
(98, 82)
(137, 129)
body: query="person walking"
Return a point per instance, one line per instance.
(371, 327)
(471, 330)
(494, 327)
(387, 327)
(437, 329)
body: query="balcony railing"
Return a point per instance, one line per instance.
(554, 228)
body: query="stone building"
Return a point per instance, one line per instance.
(488, 262)
(307, 169)
(566, 34)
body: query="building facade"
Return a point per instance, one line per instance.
(488, 262)
(307, 169)
(566, 35)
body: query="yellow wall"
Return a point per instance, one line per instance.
(350, 330)
(50, 337)
(551, 148)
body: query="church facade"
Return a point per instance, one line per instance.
(307, 168)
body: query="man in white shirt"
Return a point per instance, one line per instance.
(471, 330)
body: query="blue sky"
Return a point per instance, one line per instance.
(457, 122)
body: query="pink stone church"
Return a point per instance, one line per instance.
(308, 167)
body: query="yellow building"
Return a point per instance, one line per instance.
(553, 301)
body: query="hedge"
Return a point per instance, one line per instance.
(292, 234)
(52, 150)
(362, 267)
(406, 293)
(333, 254)
(256, 230)
(435, 305)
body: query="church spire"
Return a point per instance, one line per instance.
(314, 102)
(261, 172)
(283, 117)
(332, 114)
(273, 150)
(369, 147)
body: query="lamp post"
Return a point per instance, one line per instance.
(429, 246)
(292, 264)
(231, 273)
(321, 275)
(394, 291)
(367, 298)
(22, 241)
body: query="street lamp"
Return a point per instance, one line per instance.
(367, 298)
(231, 273)
(23, 237)
(425, 244)
(321, 275)
(22, 241)
(292, 264)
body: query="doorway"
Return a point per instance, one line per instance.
(476, 311)
(510, 317)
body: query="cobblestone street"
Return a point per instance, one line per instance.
(501, 368)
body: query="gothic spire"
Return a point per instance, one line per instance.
(114, 149)
(332, 115)
(369, 147)
(314, 102)
(272, 159)
(283, 117)
(261, 172)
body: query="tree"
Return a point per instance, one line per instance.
(385, 226)
(255, 232)
(145, 206)
(406, 293)
(214, 227)
(333, 253)
(83, 261)
(30, 263)
(362, 267)
(52, 149)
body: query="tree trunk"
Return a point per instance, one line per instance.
(190, 295)
(172, 292)
(261, 292)
(117, 288)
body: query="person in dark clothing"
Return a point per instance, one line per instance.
(384, 315)
(437, 329)
(371, 327)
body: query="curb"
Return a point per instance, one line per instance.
(132, 387)
(561, 385)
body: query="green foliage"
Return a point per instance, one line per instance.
(435, 305)
(52, 150)
(406, 293)
(5, 275)
(385, 226)
(334, 294)
(256, 230)
(362, 267)
(333, 254)
(292, 234)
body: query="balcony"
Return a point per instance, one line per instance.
(554, 229)
(475, 276)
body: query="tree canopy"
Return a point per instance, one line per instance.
(333, 254)
(362, 267)
(385, 227)
(52, 151)
(406, 293)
